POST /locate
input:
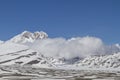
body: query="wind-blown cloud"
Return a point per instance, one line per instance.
(74, 47)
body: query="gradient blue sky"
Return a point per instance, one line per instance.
(61, 18)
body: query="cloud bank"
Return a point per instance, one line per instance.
(74, 47)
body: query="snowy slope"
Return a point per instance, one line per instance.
(12, 54)
(27, 36)
(105, 61)
(10, 47)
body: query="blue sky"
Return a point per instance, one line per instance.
(61, 18)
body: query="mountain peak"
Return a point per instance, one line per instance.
(27, 36)
(24, 32)
(40, 35)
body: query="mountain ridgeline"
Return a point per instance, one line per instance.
(16, 52)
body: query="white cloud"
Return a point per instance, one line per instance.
(74, 47)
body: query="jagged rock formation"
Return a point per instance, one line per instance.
(27, 36)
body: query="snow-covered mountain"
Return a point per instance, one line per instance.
(15, 52)
(27, 36)
(103, 61)
(12, 53)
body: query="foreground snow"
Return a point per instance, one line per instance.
(30, 73)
